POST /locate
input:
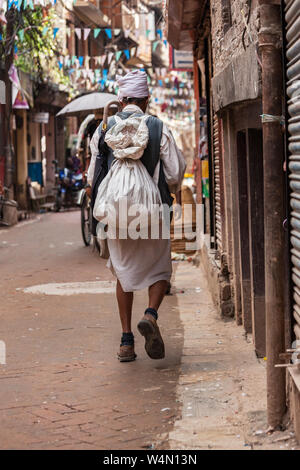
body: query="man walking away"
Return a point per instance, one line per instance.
(143, 263)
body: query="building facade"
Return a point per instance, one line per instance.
(242, 52)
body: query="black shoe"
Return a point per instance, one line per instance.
(154, 344)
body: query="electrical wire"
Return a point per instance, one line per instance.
(247, 23)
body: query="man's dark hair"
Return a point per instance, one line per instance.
(134, 100)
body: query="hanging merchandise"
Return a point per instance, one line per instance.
(172, 96)
(18, 98)
(155, 44)
(205, 179)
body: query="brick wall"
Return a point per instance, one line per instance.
(227, 29)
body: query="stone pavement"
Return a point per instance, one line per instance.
(62, 387)
(222, 384)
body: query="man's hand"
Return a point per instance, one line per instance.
(88, 191)
(178, 207)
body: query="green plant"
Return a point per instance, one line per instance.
(36, 51)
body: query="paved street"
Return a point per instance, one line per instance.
(62, 386)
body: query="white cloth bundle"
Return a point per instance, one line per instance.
(129, 137)
(128, 191)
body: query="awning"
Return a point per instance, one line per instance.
(182, 18)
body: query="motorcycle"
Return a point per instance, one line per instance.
(68, 187)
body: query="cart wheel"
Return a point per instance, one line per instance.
(86, 221)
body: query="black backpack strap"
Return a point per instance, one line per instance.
(101, 170)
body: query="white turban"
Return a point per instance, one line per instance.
(133, 85)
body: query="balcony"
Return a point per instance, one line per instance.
(90, 13)
(182, 18)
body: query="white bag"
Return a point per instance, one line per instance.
(128, 190)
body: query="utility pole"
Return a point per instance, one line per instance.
(270, 44)
(9, 54)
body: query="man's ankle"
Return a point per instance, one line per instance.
(127, 339)
(153, 312)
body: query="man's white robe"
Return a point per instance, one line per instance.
(138, 264)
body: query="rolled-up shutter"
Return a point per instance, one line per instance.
(292, 14)
(217, 185)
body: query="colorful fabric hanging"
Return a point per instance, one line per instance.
(86, 32)
(108, 32)
(118, 55)
(96, 32)
(109, 57)
(78, 32)
(21, 34)
(155, 44)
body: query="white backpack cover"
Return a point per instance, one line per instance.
(128, 185)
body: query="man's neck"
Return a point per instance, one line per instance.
(132, 108)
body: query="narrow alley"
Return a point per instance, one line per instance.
(63, 387)
(173, 128)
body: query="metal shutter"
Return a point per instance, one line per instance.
(217, 185)
(292, 15)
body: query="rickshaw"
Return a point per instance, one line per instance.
(85, 203)
(93, 104)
